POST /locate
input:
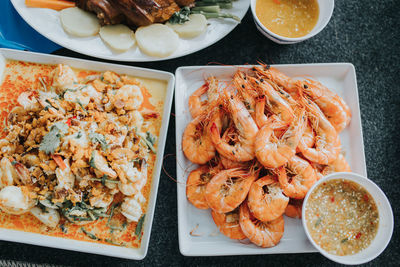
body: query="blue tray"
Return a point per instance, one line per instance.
(15, 33)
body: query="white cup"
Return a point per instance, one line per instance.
(385, 227)
(325, 13)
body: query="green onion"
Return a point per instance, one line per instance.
(139, 226)
(112, 242)
(211, 9)
(81, 105)
(105, 180)
(89, 234)
(91, 215)
(217, 15)
(147, 142)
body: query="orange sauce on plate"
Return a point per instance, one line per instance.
(288, 18)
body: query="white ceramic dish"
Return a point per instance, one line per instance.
(47, 23)
(325, 13)
(340, 77)
(82, 246)
(385, 229)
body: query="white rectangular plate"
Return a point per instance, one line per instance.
(340, 77)
(82, 246)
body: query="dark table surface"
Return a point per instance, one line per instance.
(365, 33)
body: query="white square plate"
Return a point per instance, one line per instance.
(82, 246)
(340, 77)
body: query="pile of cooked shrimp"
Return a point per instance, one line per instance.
(261, 140)
(74, 144)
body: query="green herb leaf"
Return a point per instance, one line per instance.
(91, 161)
(104, 179)
(50, 105)
(146, 142)
(89, 234)
(99, 138)
(63, 228)
(81, 105)
(139, 226)
(318, 222)
(180, 16)
(344, 240)
(151, 138)
(111, 242)
(51, 140)
(61, 126)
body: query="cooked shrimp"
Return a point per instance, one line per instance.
(263, 234)
(243, 149)
(338, 165)
(196, 106)
(135, 179)
(28, 101)
(276, 76)
(245, 89)
(332, 105)
(213, 92)
(63, 77)
(230, 164)
(65, 178)
(15, 200)
(100, 163)
(48, 216)
(272, 151)
(327, 144)
(131, 209)
(228, 189)
(23, 173)
(196, 142)
(260, 118)
(129, 97)
(297, 177)
(274, 101)
(196, 185)
(228, 224)
(7, 172)
(294, 208)
(266, 200)
(318, 168)
(307, 140)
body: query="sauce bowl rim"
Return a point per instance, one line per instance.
(283, 38)
(360, 180)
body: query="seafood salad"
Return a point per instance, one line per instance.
(261, 140)
(80, 150)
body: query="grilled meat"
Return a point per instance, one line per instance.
(134, 13)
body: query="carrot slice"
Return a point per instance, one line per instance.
(52, 4)
(60, 162)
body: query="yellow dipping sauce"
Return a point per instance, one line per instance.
(288, 18)
(342, 217)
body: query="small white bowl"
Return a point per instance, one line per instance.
(325, 13)
(385, 228)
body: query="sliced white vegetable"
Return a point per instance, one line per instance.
(49, 217)
(118, 37)
(79, 23)
(191, 28)
(157, 40)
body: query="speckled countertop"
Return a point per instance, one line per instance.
(365, 33)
